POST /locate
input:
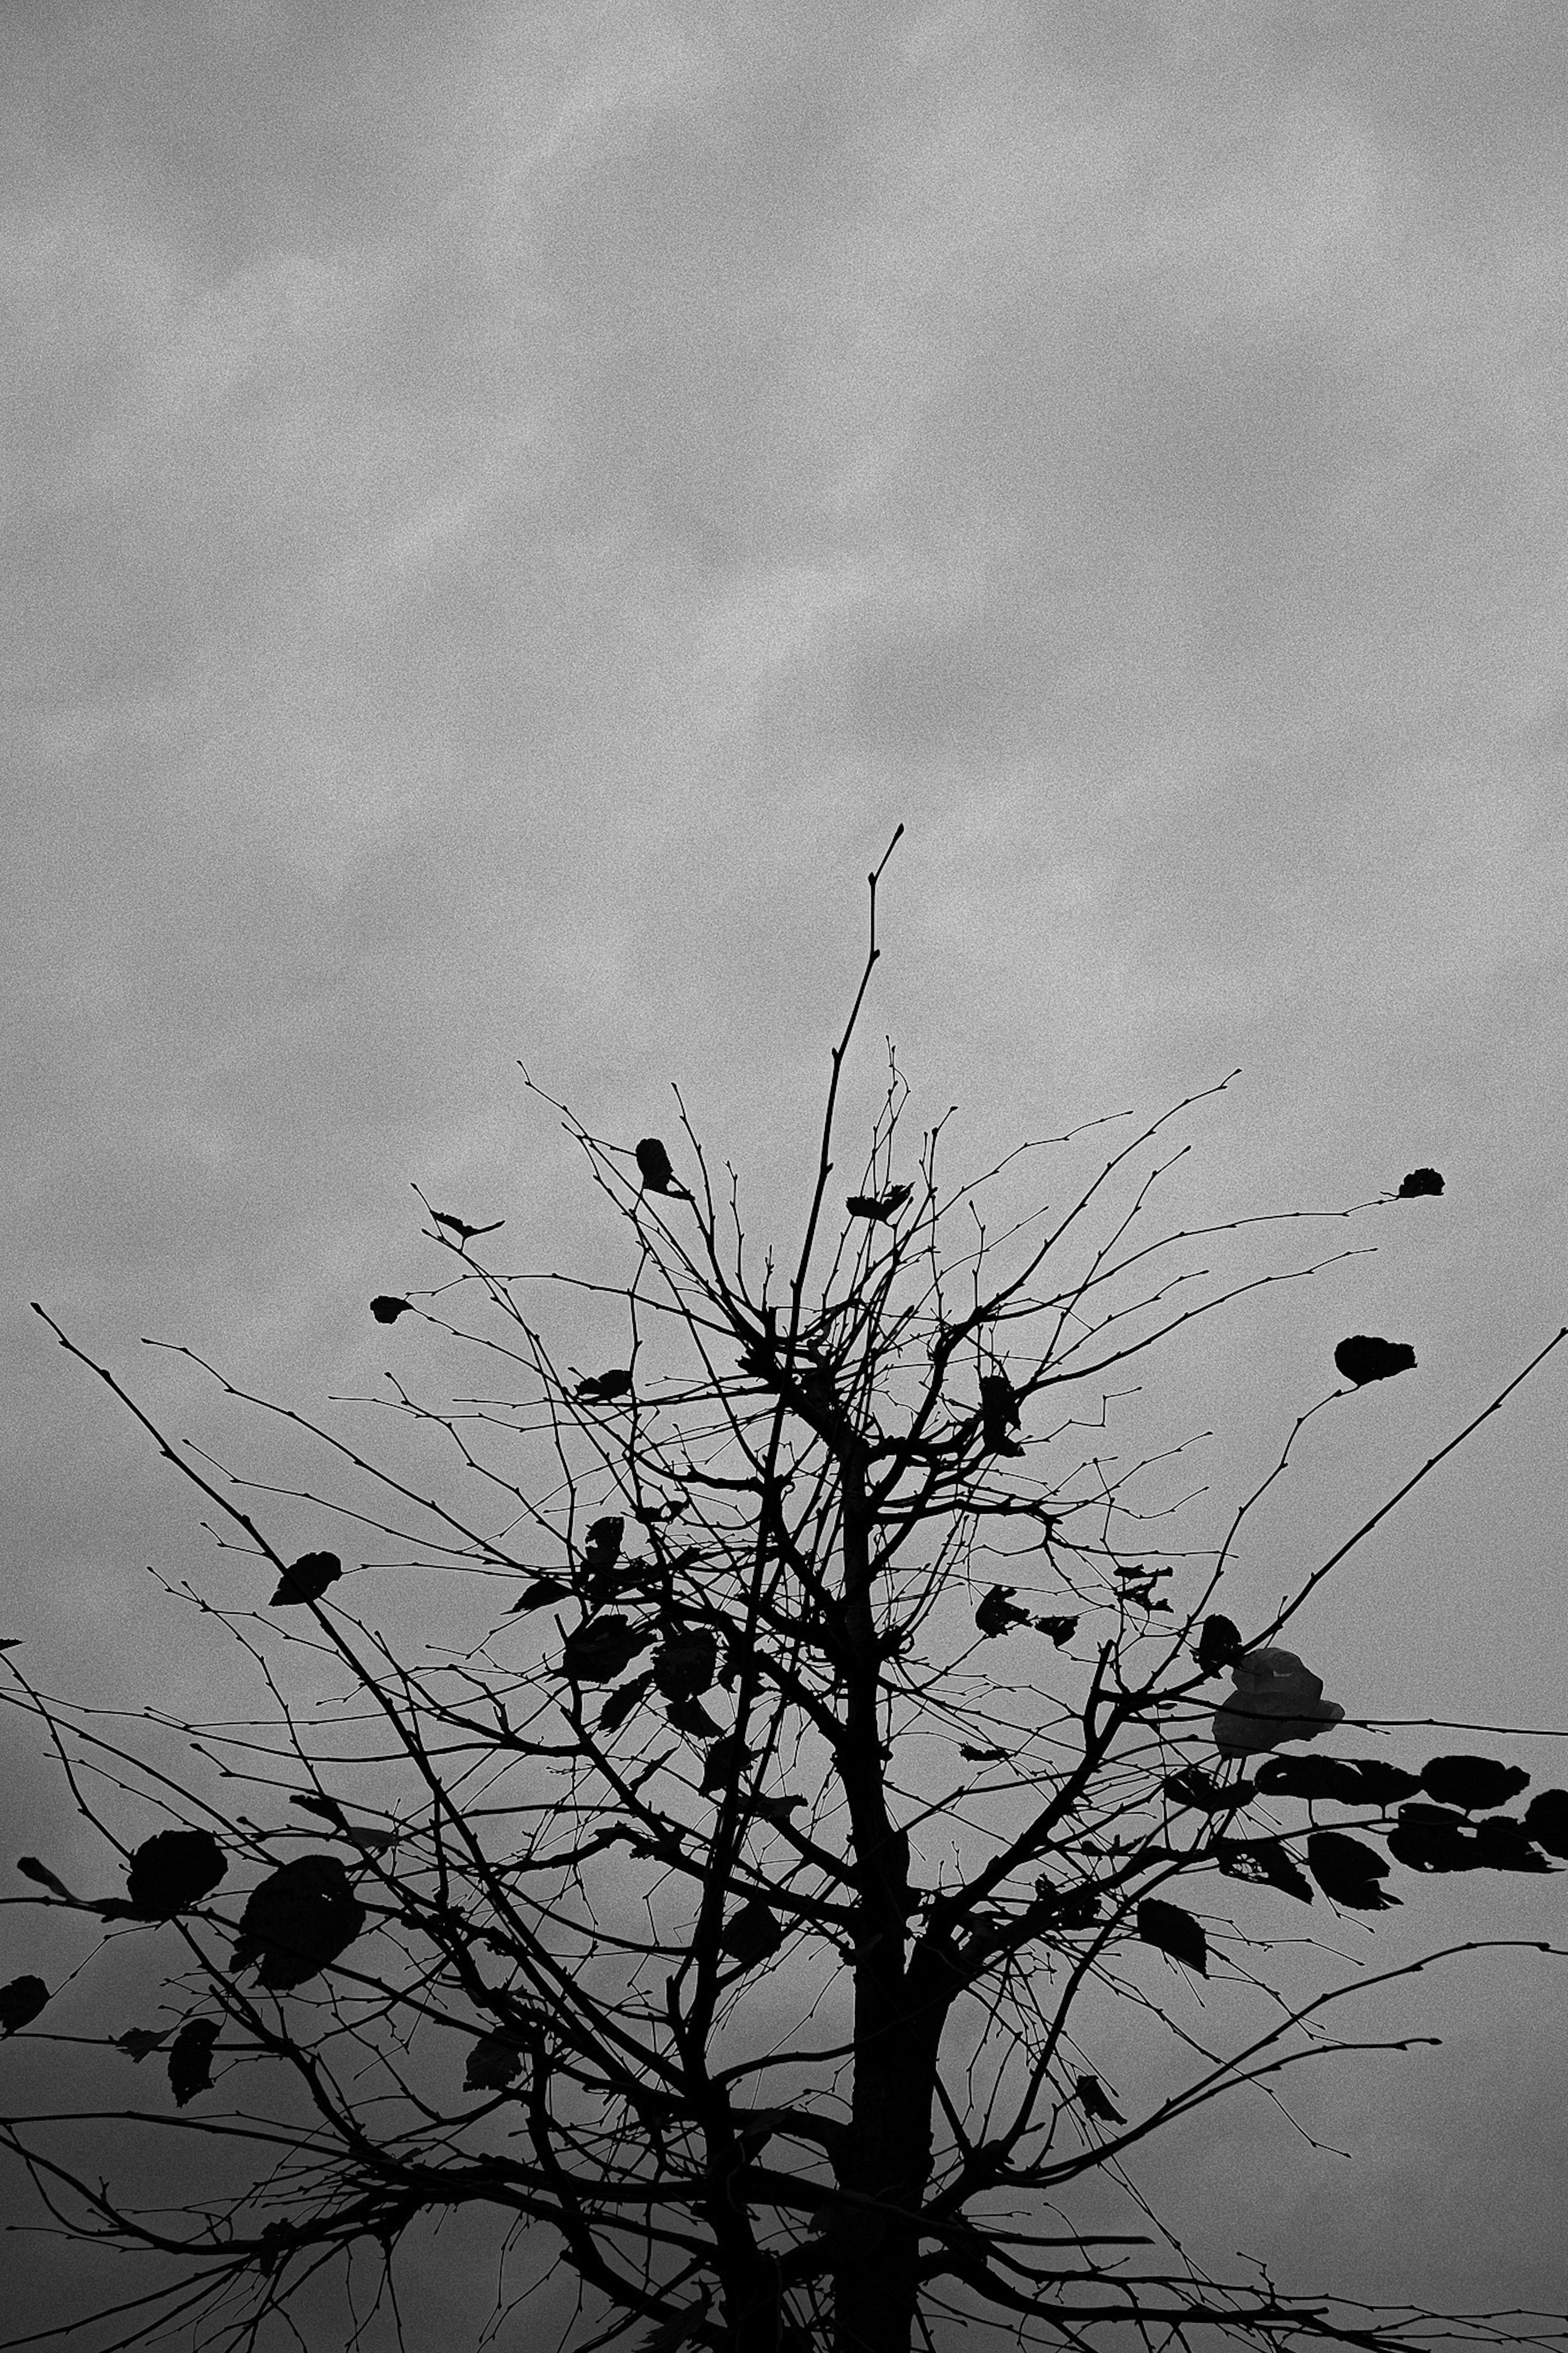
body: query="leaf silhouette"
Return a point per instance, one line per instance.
(1546, 1819)
(1363, 1359)
(725, 1758)
(1091, 2098)
(386, 1310)
(598, 1652)
(20, 2002)
(1276, 1698)
(690, 1716)
(996, 1613)
(751, 1935)
(301, 1917)
(12, 1641)
(1382, 1783)
(998, 1414)
(1504, 1845)
(31, 1868)
(599, 1388)
(685, 1663)
(171, 1871)
(878, 1206)
(1348, 1872)
(191, 2058)
(620, 1704)
(494, 2061)
(1476, 1784)
(138, 2040)
(1175, 1932)
(306, 1579)
(1193, 1787)
(1264, 1861)
(775, 1809)
(654, 1168)
(1060, 1629)
(464, 1232)
(1313, 1778)
(1078, 1907)
(1432, 1838)
(1419, 1181)
(543, 1590)
(1219, 1644)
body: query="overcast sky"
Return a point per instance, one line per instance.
(506, 508)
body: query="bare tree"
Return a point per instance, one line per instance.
(807, 1678)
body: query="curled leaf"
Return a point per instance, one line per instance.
(31, 1868)
(997, 1612)
(1418, 1181)
(190, 2059)
(386, 1310)
(494, 2061)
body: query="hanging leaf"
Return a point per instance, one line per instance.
(1419, 1181)
(878, 1206)
(996, 1613)
(598, 1652)
(299, 1918)
(31, 1868)
(1546, 1819)
(1430, 1839)
(1313, 1778)
(190, 2059)
(1262, 1861)
(1091, 2098)
(171, 1871)
(685, 1662)
(1474, 1783)
(138, 2040)
(998, 1414)
(1383, 1784)
(306, 1579)
(603, 1541)
(1219, 1644)
(689, 1715)
(1347, 1872)
(1504, 1845)
(1060, 1629)
(620, 1704)
(776, 1810)
(1276, 1698)
(494, 2061)
(599, 1388)
(1193, 1787)
(725, 1760)
(328, 1809)
(751, 1935)
(20, 2002)
(387, 1311)
(1175, 1932)
(1363, 1359)
(1070, 1908)
(654, 1168)
(543, 1590)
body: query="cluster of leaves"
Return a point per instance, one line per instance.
(708, 1762)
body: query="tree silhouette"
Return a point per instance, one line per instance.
(639, 1914)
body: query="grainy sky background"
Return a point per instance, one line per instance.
(507, 507)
